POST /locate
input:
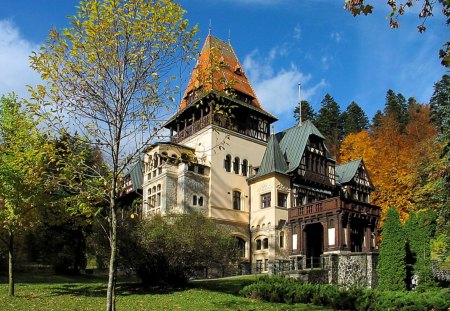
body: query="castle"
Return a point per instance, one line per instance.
(280, 194)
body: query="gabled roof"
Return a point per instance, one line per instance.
(293, 142)
(285, 149)
(136, 171)
(218, 68)
(345, 172)
(273, 160)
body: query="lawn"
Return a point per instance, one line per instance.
(52, 292)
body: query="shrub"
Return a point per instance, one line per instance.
(279, 289)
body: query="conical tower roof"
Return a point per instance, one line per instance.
(219, 69)
(273, 160)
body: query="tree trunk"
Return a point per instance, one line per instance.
(110, 295)
(11, 262)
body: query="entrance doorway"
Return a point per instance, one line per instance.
(313, 244)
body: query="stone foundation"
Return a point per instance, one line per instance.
(353, 269)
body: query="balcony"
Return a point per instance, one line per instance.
(191, 129)
(334, 204)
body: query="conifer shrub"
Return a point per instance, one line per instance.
(391, 269)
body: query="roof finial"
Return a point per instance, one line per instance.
(299, 105)
(209, 29)
(273, 130)
(229, 36)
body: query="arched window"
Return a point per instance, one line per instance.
(227, 163)
(244, 167)
(240, 246)
(237, 200)
(236, 165)
(258, 244)
(266, 243)
(155, 160)
(194, 200)
(282, 239)
(200, 201)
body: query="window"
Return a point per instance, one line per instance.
(240, 246)
(200, 201)
(265, 200)
(266, 264)
(281, 239)
(244, 168)
(282, 199)
(258, 244)
(201, 170)
(266, 243)
(259, 266)
(237, 200)
(227, 163)
(236, 165)
(191, 167)
(194, 200)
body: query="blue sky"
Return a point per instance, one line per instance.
(279, 43)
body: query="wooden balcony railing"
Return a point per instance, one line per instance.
(332, 204)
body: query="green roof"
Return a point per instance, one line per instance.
(293, 142)
(273, 160)
(285, 149)
(135, 170)
(345, 172)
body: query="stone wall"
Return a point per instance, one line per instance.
(439, 274)
(346, 270)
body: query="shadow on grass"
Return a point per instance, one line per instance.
(99, 290)
(52, 278)
(226, 285)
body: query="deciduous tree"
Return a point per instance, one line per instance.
(22, 169)
(356, 7)
(109, 75)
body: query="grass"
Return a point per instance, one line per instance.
(45, 291)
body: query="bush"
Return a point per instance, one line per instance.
(169, 250)
(287, 290)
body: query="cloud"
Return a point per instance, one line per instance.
(297, 32)
(15, 72)
(277, 90)
(336, 36)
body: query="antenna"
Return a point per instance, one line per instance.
(299, 105)
(273, 130)
(209, 29)
(229, 36)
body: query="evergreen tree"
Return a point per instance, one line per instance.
(354, 119)
(377, 119)
(329, 123)
(418, 229)
(307, 112)
(391, 269)
(396, 108)
(439, 181)
(440, 106)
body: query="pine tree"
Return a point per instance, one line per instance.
(307, 112)
(354, 119)
(329, 123)
(440, 106)
(377, 119)
(391, 269)
(396, 108)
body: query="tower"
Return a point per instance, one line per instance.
(218, 135)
